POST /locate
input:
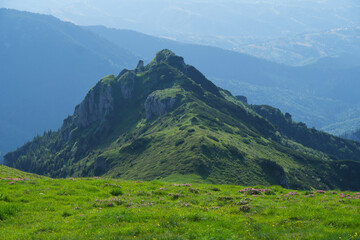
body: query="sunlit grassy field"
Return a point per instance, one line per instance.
(32, 207)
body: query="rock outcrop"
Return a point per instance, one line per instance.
(284, 182)
(97, 103)
(242, 99)
(127, 85)
(66, 128)
(140, 67)
(155, 105)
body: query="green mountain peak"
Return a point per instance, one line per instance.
(164, 55)
(165, 120)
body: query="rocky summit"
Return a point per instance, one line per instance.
(166, 120)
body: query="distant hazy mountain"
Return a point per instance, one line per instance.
(319, 94)
(352, 135)
(338, 48)
(227, 24)
(46, 66)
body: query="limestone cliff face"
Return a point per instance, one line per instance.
(127, 88)
(97, 103)
(127, 83)
(155, 105)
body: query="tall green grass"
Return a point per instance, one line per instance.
(101, 208)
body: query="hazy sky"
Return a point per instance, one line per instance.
(230, 20)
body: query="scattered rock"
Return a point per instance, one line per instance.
(242, 99)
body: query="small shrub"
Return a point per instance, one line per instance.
(142, 193)
(194, 190)
(194, 218)
(116, 192)
(245, 208)
(252, 191)
(215, 189)
(213, 138)
(185, 204)
(159, 192)
(242, 202)
(194, 201)
(194, 120)
(66, 214)
(62, 193)
(179, 142)
(269, 192)
(175, 196)
(128, 204)
(118, 201)
(7, 210)
(290, 194)
(4, 198)
(225, 198)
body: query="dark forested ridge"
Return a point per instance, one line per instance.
(165, 118)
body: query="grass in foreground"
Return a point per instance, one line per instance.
(100, 208)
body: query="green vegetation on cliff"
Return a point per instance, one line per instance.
(166, 120)
(336, 147)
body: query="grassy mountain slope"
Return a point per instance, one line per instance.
(166, 119)
(103, 208)
(336, 147)
(12, 173)
(46, 66)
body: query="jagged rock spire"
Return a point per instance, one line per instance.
(140, 67)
